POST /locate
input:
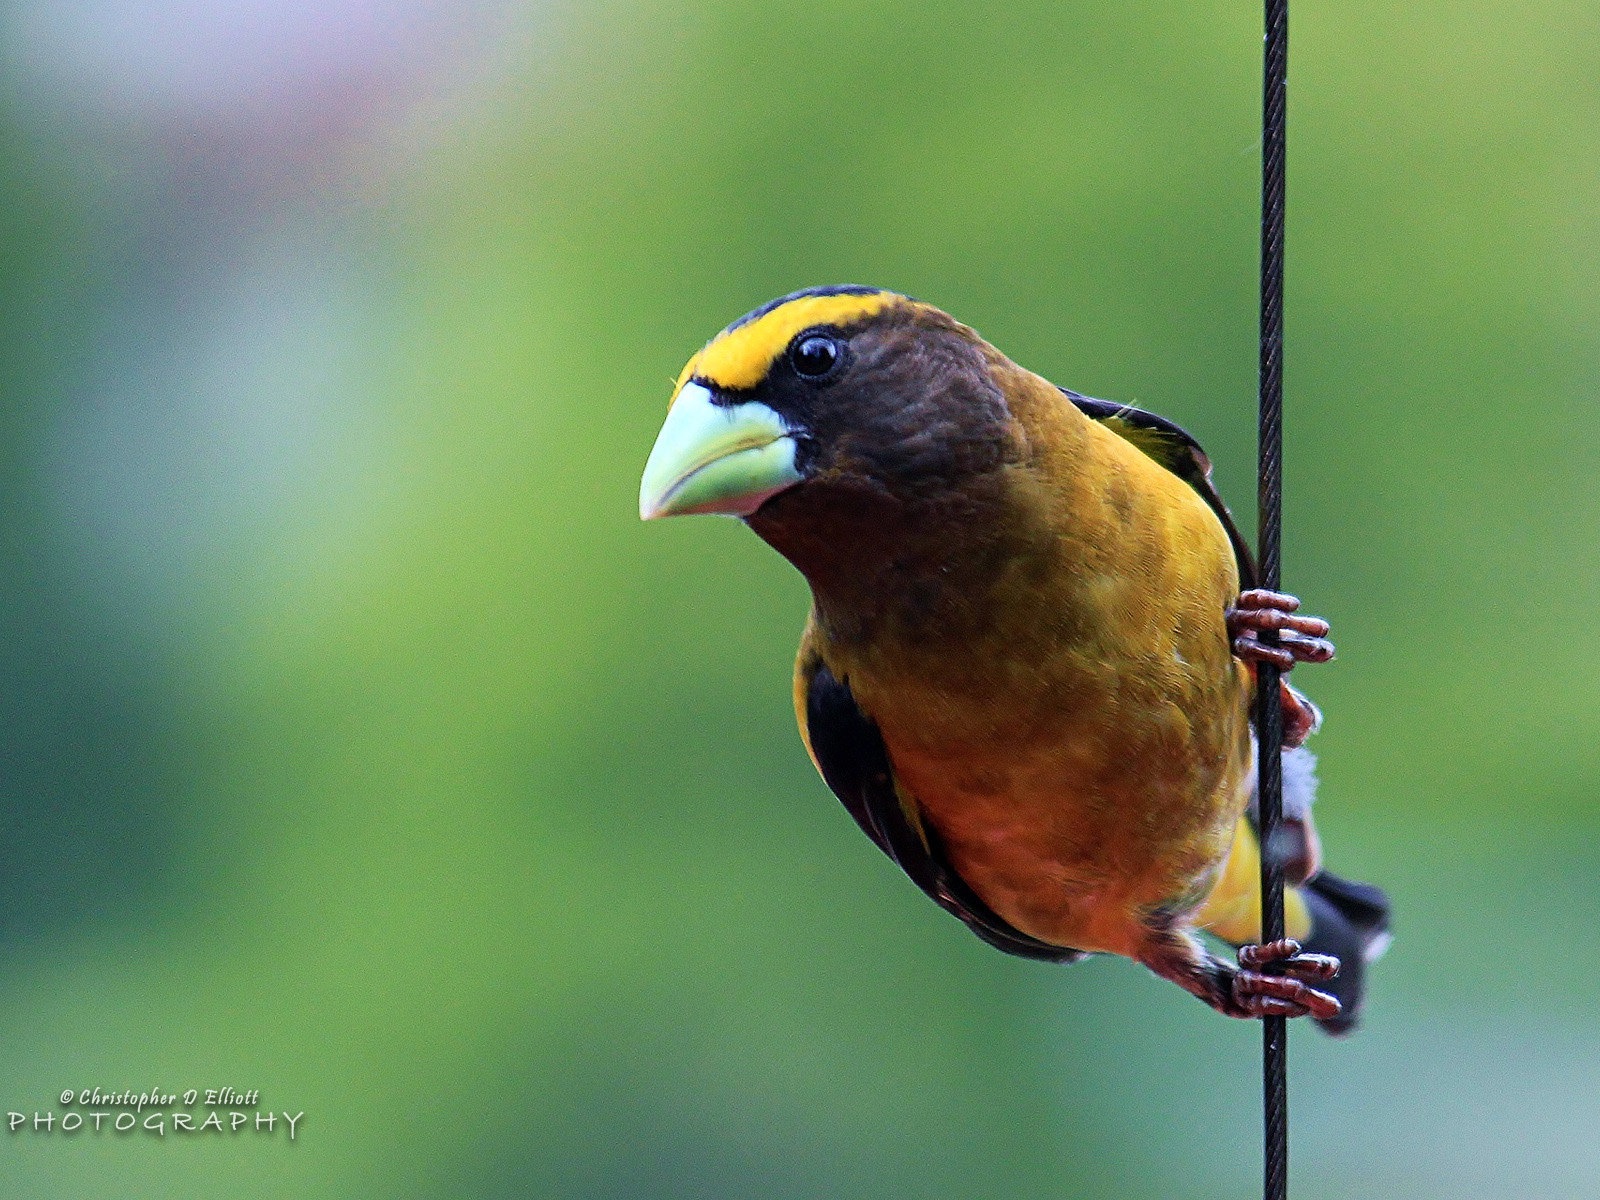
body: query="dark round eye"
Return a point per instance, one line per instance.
(815, 354)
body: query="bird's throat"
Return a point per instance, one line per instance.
(913, 570)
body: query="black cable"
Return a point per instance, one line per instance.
(1269, 711)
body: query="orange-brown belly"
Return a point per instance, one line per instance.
(1077, 833)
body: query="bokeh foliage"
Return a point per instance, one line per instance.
(363, 748)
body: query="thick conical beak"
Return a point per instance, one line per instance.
(711, 458)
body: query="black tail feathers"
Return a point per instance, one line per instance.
(1351, 922)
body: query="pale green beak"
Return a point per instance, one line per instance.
(709, 458)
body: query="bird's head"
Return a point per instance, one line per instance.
(831, 393)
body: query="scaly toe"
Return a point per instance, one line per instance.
(1246, 647)
(1260, 954)
(1249, 988)
(1271, 1006)
(1262, 598)
(1307, 649)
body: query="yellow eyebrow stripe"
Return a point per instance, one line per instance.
(740, 358)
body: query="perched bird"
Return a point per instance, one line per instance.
(1028, 666)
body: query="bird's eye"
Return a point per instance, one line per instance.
(814, 355)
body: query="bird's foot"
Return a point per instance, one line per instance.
(1300, 639)
(1257, 994)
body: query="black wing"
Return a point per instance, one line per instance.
(855, 763)
(1179, 453)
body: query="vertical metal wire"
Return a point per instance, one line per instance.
(1269, 712)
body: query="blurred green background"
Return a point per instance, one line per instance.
(361, 747)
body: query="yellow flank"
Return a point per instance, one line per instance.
(1233, 910)
(740, 358)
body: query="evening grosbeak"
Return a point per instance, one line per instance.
(1028, 667)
